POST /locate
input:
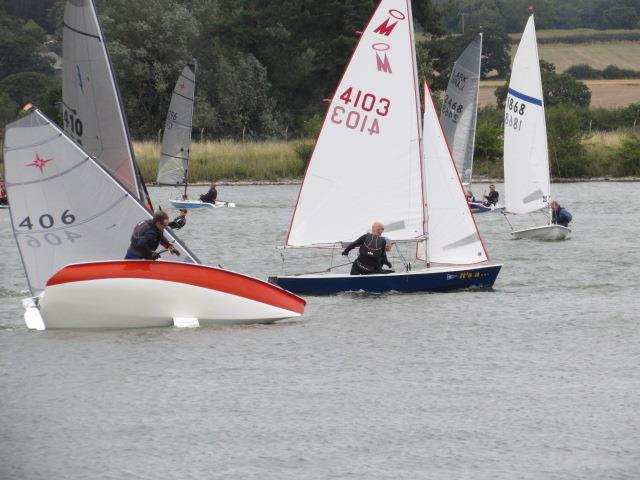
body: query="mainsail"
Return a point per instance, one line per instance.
(460, 107)
(366, 164)
(526, 162)
(176, 141)
(65, 207)
(93, 113)
(453, 234)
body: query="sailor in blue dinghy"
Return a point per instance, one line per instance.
(372, 252)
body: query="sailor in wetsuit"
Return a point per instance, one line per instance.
(493, 197)
(372, 252)
(180, 221)
(559, 215)
(211, 195)
(146, 237)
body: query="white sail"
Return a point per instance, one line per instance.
(65, 207)
(453, 236)
(93, 114)
(176, 140)
(526, 162)
(366, 163)
(460, 107)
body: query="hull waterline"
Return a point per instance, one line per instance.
(199, 204)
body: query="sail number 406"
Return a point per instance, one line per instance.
(47, 221)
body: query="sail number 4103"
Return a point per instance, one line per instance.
(355, 120)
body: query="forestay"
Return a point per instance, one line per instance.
(65, 207)
(366, 163)
(460, 107)
(176, 141)
(93, 114)
(453, 235)
(526, 163)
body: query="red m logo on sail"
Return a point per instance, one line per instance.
(383, 63)
(384, 28)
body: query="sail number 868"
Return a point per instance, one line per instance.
(516, 107)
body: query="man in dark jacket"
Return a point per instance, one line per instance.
(559, 215)
(372, 252)
(493, 197)
(211, 195)
(180, 221)
(146, 237)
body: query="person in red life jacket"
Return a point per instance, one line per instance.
(211, 195)
(3, 194)
(372, 252)
(559, 215)
(180, 221)
(147, 236)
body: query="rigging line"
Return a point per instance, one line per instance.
(505, 217)
(406, 265)
(325, 271)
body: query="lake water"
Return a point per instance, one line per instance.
(537, 379)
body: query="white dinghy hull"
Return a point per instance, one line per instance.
(545, 232)
(139, 294)
(199, 204)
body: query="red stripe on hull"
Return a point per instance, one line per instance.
(197, 275)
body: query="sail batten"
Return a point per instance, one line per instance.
(460, 108)
(366, 163)
(176, 141)
(526, 160)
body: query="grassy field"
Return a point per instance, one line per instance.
(228, 160)
(586, 33)
(604, 93)
(625, 55)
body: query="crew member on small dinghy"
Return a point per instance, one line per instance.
(493, 197)
(559, 215)
(372, 252)
(211, 195)
(146, 237)
(3, 194)
(180, 221)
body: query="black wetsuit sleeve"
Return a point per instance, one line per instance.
(355, 244)
(146, 243)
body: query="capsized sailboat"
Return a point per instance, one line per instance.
(72, 221)
(526, 160)
(93, 114)
(173, 166)
(368, 165)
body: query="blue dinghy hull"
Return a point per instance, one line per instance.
(433, 279)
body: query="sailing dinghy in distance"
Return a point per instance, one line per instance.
(72, 221)
(371, 143)
(526, 161)
(173, 167)
(93, 115)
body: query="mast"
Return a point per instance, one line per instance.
(186, 170)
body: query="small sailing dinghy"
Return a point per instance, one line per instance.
(526, 158)
(368, 165)
(173, 167)
(93, 115)
(72, 221)
(460, 112)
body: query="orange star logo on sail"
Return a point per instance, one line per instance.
(39, 162)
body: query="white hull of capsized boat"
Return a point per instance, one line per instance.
(545, 232)
(199, 204)
(139, 294)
